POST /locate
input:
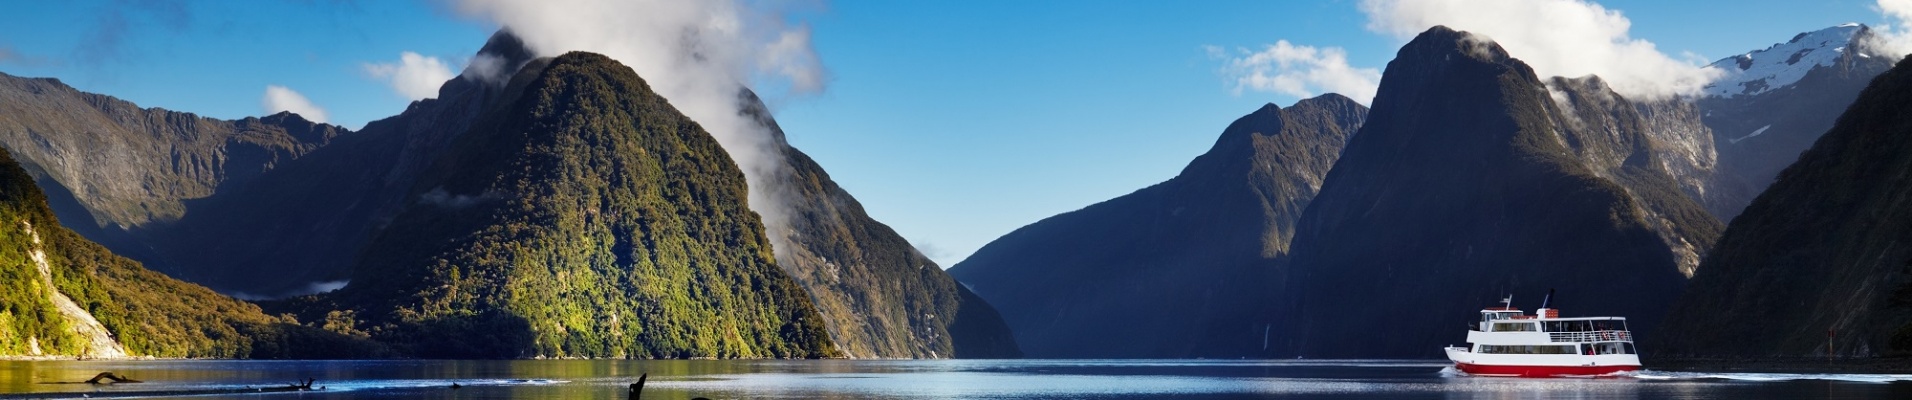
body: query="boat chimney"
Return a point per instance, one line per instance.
(1548, 312)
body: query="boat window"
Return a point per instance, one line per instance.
(1499, 349)
(1514, 327)
(1607, 348)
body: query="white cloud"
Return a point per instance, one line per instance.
(279, 98)
(415, 76)
(1556, 37)
(1895, 36)
(698, 54)
(1300, 71)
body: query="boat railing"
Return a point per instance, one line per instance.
(1590, 336)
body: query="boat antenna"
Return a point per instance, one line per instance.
(1549, 298)
(1507, 302)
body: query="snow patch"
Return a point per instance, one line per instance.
(1782, 64)
(1756, 132)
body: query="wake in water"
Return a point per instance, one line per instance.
(1651, 375)
(1767, 377)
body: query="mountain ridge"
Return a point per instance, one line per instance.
(1461, 173)
(1067, 284)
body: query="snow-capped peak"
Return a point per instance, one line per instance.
(1782, 64)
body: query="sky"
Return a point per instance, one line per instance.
(954, 122)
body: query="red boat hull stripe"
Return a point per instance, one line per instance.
(1537, 371)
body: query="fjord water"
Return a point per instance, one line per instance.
(928, 379)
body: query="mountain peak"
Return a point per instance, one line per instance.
(1784, 64)
(1441, 41)
(501, 56)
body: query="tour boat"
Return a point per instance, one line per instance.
(1508, 342)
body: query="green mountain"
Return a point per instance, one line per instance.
(1820, 253)
(67, 296)
(1181, 269)
(584, 217)
(1464, 186)
(880, 297)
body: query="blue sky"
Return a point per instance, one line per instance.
(952, 121)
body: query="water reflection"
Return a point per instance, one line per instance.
(937, 379)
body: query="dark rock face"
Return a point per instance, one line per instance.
(1759, 134)
(1822, 249)
(1184, 268)
(1462, 187)
(881, 297)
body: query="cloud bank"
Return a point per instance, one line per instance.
(1894, 36)
(698, 54)
(279, 98)
(1556, 37)
(1300, 71)
(415, 76)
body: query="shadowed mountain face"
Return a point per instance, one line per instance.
(308, 220)
(881, 297)
(66, 296)
(1824, 249)
(110, 166)
(1464, 186)
(1184, 268)
(583, 217)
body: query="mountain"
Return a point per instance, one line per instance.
(880, 296)
(112, 168)
(1772, 104)
(1635, 144)
(67, 296)
(583, 217)
(310, 219)
(1464, 185)
(1819, 258)
(304, 224)
(1180, 269)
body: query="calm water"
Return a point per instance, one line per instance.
(994, 379)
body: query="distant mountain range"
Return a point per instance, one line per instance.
(1183, 268)
(1463, 195)
(566, 210)
(368, 207)
(1774, 103)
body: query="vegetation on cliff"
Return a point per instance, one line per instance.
(586, 218)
